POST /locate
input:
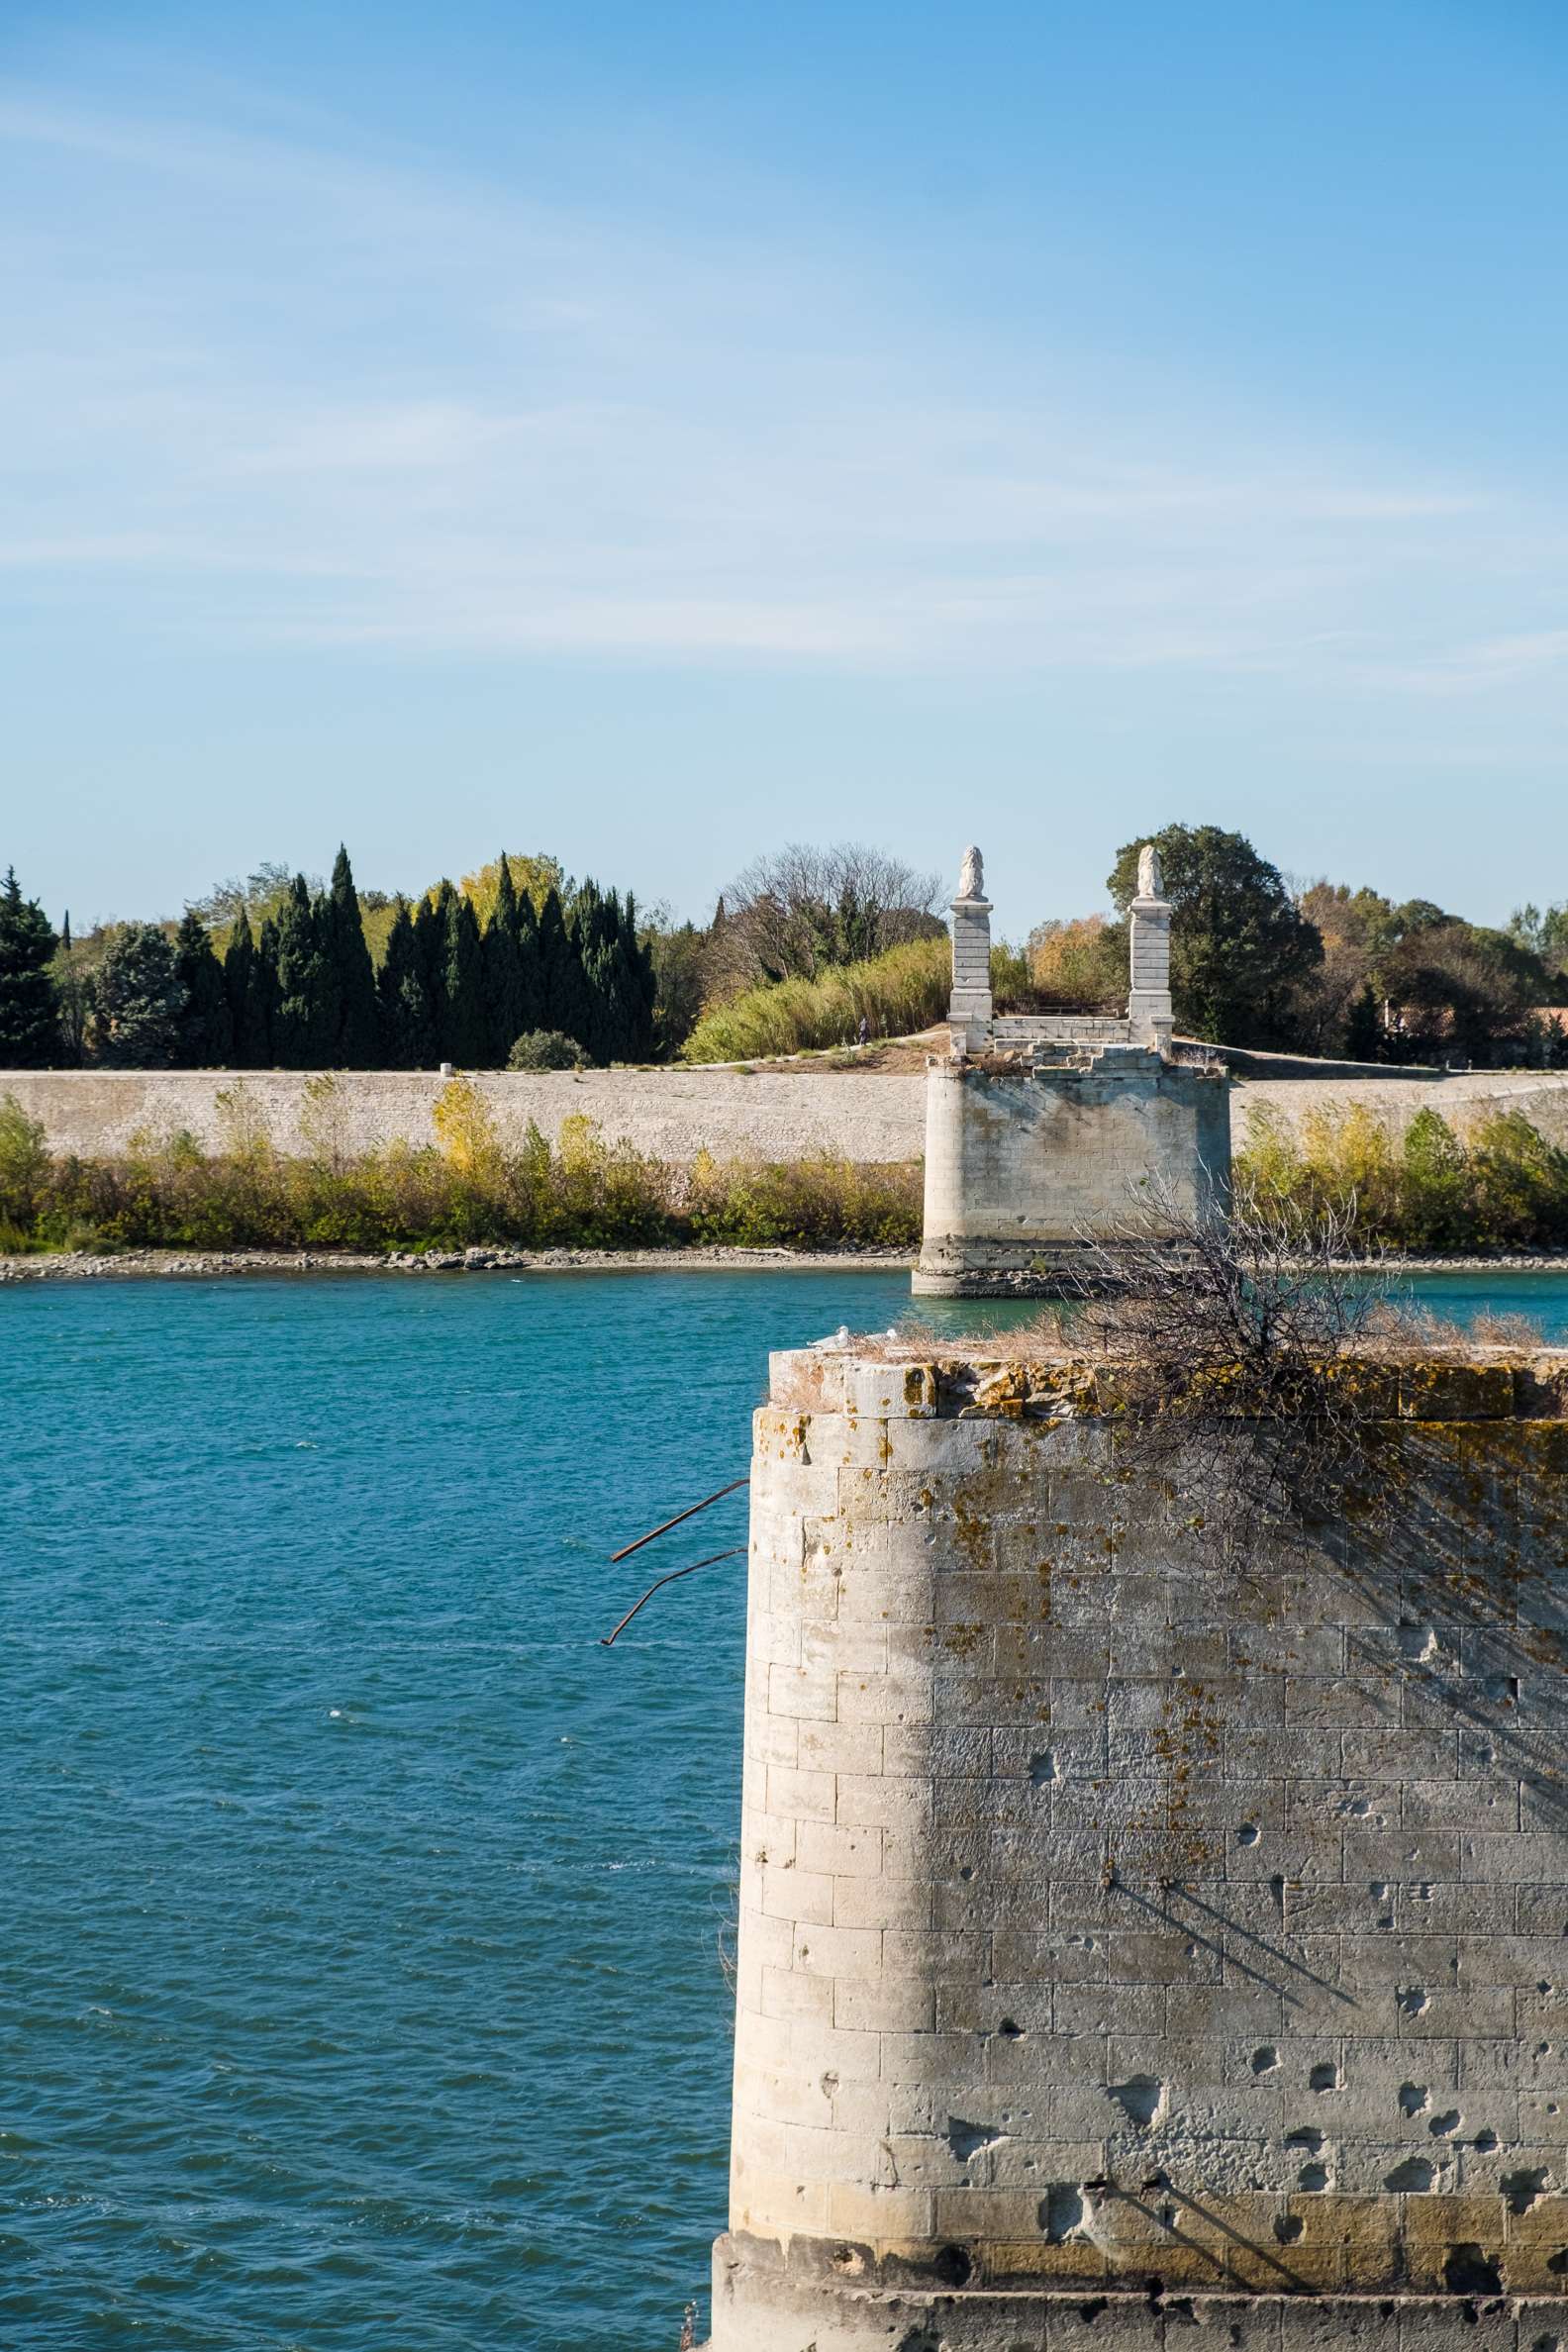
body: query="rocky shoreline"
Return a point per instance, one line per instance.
(129, 1264)
(125, 1264)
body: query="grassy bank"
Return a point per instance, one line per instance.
(577, 1192)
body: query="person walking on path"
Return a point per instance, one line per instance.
(865, 1031)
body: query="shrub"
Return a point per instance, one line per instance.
(469, 1186)
(815, 1203)
(1503, 1186)
(1437, 1194)
(546, 1050)
(24, 1164)
(1521, 1183)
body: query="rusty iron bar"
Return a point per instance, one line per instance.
(626, 1550)
(674, 1577)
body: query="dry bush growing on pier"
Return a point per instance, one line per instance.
(1241, 1349)
(1245, 1357)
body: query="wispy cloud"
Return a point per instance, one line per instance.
(1493, 662)
(310, 398)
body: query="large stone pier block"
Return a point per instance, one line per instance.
(1141, 1947)
(1023, 1161)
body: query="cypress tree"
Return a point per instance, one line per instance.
(466, 1031)
(205, 1039)
(246, 989)
(267, 988)
(431, 919)
(502, 971)
(529, 991)
(590, 933)
(618, 975)
(642, 986)
(407, 1035)
(1364, 1028)
(306, 1020)
(354, 972)
(607, 979)
(625, 985)
(565, 1001)
(28, 1026)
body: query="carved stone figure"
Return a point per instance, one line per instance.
(971, 875)
(1151, 882)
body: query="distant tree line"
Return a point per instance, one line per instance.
(516, 963)
(301, 991)
(1325, 970)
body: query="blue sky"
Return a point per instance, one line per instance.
(655, 433)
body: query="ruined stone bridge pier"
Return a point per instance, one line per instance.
(1138, 1947)
(1046, 1130)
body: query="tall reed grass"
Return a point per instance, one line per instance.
(896, 993)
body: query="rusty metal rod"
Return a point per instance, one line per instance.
(626, 1550)
(674, 1577)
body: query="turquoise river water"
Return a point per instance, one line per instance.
(360, 1986)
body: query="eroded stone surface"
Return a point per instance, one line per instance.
(1112, 1912)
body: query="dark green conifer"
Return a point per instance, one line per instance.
(529, 996)
(205, 1030)
(466, 1034)
(431, 920)
(408, 1040)
(267, 988)
(504, 995)
(307, 1016)
(140, 1000)
(618, 975)
(642, 986)
(590, 930)
(28, 1028)
(247, 997)
(1364, 1028)
(565, 1001)
(354, 973)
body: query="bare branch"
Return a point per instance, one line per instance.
(1226, 1338)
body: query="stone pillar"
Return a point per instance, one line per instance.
(1134, 1942)
(970, 1009)
(1149, 1002)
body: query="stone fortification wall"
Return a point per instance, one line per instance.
(672, 1114)
(869, 1116)
(1131, 1944)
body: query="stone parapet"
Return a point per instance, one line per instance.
(1131, 1938)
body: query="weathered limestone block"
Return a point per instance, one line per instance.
(1137, 1946)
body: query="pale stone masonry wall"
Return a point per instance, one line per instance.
(672, 1114)
(675, 1113)
(1133, 1942)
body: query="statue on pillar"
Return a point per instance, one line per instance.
(1151, 882)
(971, 875)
